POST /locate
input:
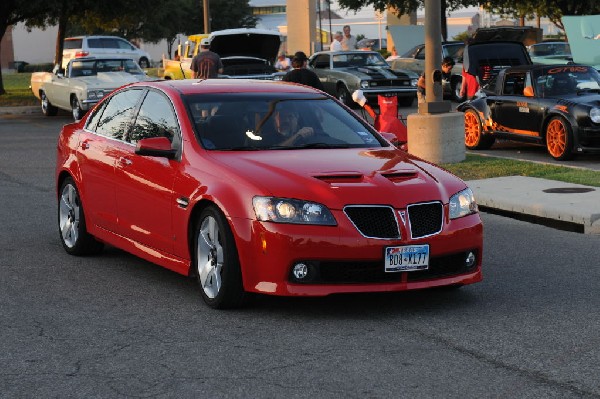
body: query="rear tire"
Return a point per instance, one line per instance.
(216, 261)
(559, 139)
(475, 138)
(47, 108)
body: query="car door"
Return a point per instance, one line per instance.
(145, 197)
(126, 49)
(99, 143)
(513, 112)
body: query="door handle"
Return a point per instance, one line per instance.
(125, 161)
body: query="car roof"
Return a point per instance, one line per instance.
(347, 52)
(94, 36)
(192, 86)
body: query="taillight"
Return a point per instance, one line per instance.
(82, 54)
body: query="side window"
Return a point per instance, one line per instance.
(124, 45)
(155, 119)
(92, 122)
(514, 83)
(117, 114)
(94, 43)
(421, 54)
(110, 43)
(321, 62)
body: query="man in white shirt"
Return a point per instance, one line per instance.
(283, 63)
(336, 44)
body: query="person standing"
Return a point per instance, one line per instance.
(336, 44)
(206, 64)
(393, 56)
(283, 63)
(300, 74)
(348, 41)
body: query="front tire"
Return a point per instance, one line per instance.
(71, 222)
(78, 113)
(559, 139)
(344, 95)
(47, 108)
(475, 138)
(216, 261)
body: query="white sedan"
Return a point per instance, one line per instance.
(84, 82)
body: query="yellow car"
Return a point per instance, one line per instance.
(246, 53)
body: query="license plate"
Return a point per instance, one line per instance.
(406, 258)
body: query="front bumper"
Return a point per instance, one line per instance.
(347, 262)
(587, 140)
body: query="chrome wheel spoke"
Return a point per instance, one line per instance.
(210, 257)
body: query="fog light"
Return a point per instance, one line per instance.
(300, 271)
(470, 260)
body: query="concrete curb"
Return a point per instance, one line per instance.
(548, 199)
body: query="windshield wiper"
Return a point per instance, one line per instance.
(323, 145)
(588, 90)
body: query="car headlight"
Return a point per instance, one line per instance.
(413, 82)
(95, 94)
(595, 115)
(462, 204)
(364, 84)
(288, 210)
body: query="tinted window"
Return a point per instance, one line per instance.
(118, 113)
(72, 44)
(412, 52)
(514, 83)
(155, 119)
(110, 43)
(94, 43)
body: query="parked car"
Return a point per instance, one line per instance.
(103, 46)
(246, 53)
(552, 53)
(84, 82)
(552, 105)
(414, 60)
(186, 174)
(343, 72)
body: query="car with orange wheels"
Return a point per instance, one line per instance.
(557, 106)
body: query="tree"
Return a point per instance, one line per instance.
(403, 7)
(14, 11)
(552, 9)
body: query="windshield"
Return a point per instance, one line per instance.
(358, 59)
(92, 67)
(264, 121)
(564, 80)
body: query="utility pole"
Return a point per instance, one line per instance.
(206, 16)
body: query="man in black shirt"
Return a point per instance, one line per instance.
(299, 73)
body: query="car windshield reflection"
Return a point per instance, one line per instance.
(240, 122)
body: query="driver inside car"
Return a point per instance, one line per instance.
(287, 131)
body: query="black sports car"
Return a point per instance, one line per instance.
(554, 105)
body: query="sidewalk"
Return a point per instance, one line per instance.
(565, 205)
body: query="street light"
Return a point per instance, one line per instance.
(379, 16)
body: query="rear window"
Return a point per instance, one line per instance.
(71, 44)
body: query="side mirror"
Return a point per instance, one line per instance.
(528, 91)
(155, 147)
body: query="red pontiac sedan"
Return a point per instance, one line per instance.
(261, 187)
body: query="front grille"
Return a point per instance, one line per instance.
(374, 221)
(425, 219)
(372, 272)
(390, 83)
